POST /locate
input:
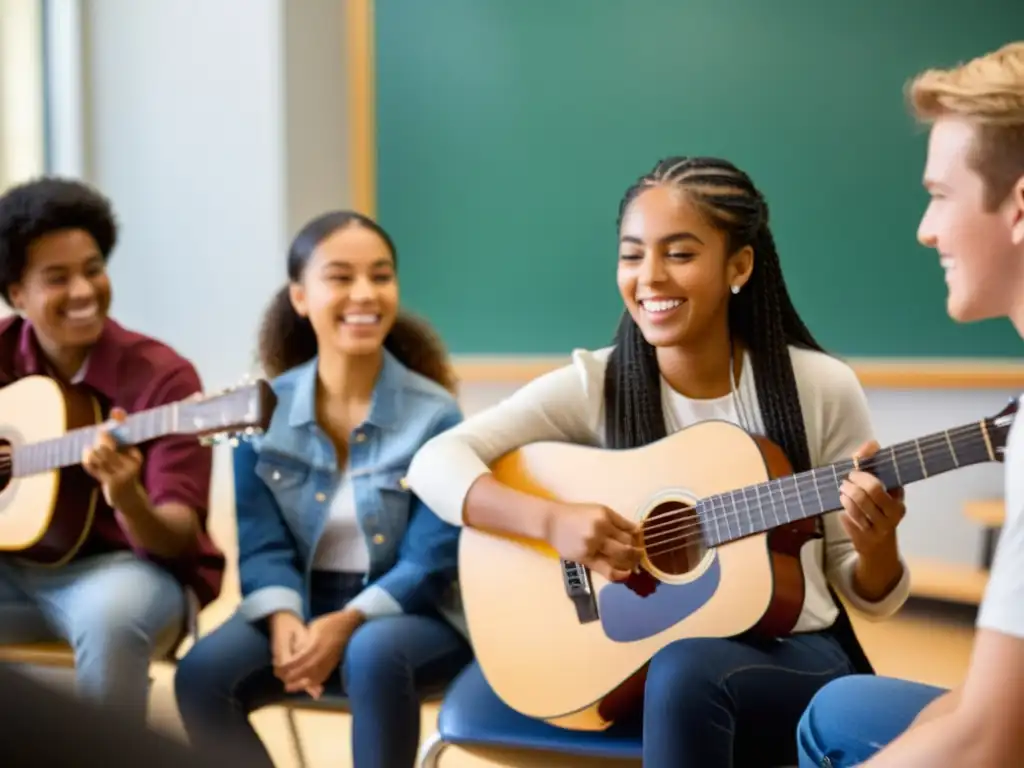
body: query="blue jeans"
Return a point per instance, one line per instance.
(733, 703)
(388, 663)
(851, 719)
(115, 610)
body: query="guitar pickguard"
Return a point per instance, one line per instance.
(627, 616)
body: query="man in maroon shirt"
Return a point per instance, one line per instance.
(129, 592)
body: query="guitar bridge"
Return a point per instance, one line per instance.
(580, 591)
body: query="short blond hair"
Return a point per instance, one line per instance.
(989, 92)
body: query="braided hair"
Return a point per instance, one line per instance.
(762, 316)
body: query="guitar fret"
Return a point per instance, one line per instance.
(760, 509)
(732, 518)
(952, 450)
(799, 495)
(895, 464)
(920, 458)
(817, 490)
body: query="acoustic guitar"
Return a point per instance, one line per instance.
(47, 500)
(723, 521)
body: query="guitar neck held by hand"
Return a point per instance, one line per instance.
(47, 501)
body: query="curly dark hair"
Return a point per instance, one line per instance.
(49, 204)
(286, 339)
(762, 315)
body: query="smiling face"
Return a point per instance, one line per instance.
(64, 291)
(349, 291)
(675, 273)
(980, 248)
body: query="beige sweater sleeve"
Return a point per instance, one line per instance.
(561, 406)
(844, 424)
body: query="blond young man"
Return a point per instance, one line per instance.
(975, 220)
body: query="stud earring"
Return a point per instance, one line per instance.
(735, 289)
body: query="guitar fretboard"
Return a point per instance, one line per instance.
(67, 450)
(758, 508)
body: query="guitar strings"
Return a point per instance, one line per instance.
(668, 531)
(684, 535)
(689, 527)
(66, 450)
(928, 449)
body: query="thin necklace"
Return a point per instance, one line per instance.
(741, 411)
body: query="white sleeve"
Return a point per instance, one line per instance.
(846, 427)
(1002, 608)
(560, 406)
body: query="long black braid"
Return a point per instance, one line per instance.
(762, 315)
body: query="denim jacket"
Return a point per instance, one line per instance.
(286, 477)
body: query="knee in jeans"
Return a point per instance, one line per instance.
(110, 626)
(200, 673)
(373, 656)
(681, 674)
(825, 712)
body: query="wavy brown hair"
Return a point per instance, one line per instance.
(287, 340)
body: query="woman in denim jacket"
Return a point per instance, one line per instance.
(348, 580)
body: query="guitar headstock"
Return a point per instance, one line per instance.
(238, 411)
(998, 427)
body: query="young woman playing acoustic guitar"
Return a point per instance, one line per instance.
(709, 332)
(347, 578)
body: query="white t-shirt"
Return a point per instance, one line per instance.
(1002, 609)
(342, 546)
(567, 405)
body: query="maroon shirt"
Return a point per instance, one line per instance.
(134, 372)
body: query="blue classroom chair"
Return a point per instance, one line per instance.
(335, 703)
(472, 715)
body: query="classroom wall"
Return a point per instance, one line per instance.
(217, 127)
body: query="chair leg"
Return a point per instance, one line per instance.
(431, 751)
(293, 728)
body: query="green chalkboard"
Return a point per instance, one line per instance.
(508, 130)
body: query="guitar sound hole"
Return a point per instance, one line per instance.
(672, 538)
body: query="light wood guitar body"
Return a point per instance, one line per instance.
(722, 541)
(47, 500)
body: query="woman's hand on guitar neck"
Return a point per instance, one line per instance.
(597, 537)
(870, 512)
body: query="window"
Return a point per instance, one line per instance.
(22, 121)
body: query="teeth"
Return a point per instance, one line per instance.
(947, 263)
(361, 319)
(81, 314)
(660, 305)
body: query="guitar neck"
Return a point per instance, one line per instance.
(66, 451)
(759, 508)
